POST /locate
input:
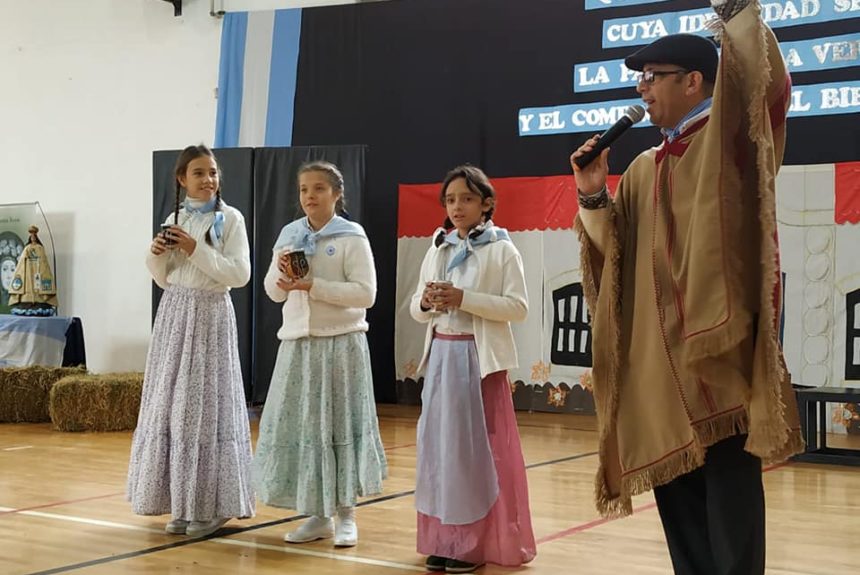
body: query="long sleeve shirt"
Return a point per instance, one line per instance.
(213, 268)
(344, 286)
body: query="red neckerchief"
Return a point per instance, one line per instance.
(679, 145)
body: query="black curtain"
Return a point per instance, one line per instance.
(262, 184)
(237, 172)
(436, 83)
(443, 86)
(276, 202)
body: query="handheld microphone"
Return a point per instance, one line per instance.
(631, 115)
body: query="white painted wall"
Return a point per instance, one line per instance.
(245, 5)
(89, 89)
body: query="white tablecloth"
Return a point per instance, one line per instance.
(32, 340)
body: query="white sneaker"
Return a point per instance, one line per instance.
(346, 531)
(204, 528)
(176, 526)
(311, 530)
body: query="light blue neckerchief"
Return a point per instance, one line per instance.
(682, 125)
(217, 229)
(491, 233)
(298, 235)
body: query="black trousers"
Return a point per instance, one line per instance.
(713, 517)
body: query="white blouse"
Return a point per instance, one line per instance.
(465, 277)
(210, 268)
(498, 297)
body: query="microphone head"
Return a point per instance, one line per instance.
(635, 113)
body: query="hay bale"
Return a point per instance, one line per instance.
(24, 391)
(104, 402)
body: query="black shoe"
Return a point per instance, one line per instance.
(455, 566)
(435, 563)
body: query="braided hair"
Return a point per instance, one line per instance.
(188, 155)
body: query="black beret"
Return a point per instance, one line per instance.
(691, 52)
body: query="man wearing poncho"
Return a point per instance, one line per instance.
(681, 274)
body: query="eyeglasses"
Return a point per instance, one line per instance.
(650, 76)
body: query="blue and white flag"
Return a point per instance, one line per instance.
(257, 78)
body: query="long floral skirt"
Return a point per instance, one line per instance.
(191, 451)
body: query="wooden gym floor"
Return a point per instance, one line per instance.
(63, 510)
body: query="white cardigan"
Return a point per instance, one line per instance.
(209, 268)
(498, 299)
(344, 285)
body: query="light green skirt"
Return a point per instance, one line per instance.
(319, 447)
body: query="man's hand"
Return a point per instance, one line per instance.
(727, 9)
(592, 178)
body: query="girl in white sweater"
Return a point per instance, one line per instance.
(471, 491)
(191, 452)
(319, 447)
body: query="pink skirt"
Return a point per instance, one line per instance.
(504, 536)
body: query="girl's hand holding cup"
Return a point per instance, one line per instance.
(177, 238)
(427, 297)
(159, 245)
(294, 268)
(170, 238)
(442, 295)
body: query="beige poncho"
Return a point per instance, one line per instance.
(681, 274)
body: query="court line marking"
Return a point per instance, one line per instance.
(8, 511)
(97, 522)
(393, 447)
(219, 539)
(3, 510)
(561, 460)
(18, 448)
(320, 554)
(603, 520)
(588, 525)
(84, 520)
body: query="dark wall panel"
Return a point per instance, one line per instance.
(237, 170)
(277, 204)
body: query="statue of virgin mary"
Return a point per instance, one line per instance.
(33, 291)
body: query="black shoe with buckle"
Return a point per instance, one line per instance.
(435, 563)
(455, 566)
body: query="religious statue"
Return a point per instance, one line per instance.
(33, 291)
